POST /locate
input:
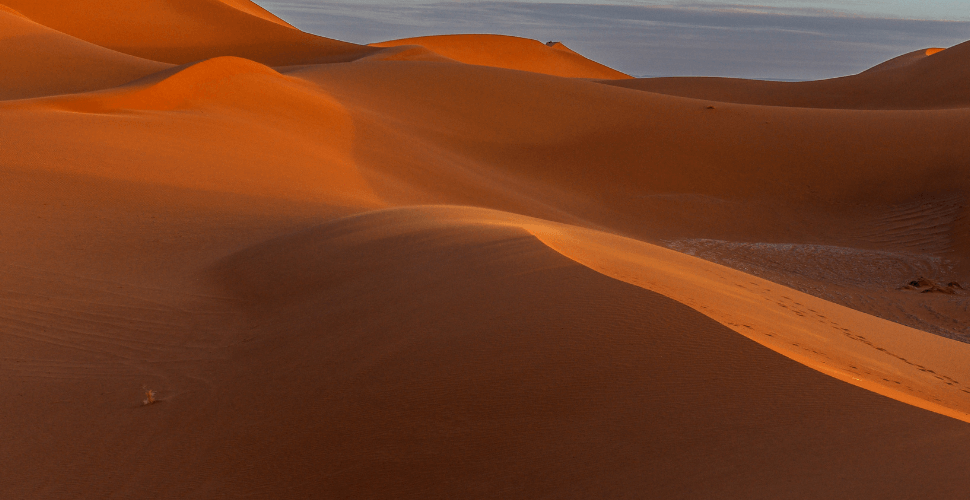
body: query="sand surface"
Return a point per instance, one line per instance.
(468, 266)
(924, 79)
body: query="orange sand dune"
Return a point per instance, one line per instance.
(183, 31)
(511, 52)
(458, 356)
(410, 137)
(227, 124)
(39, 61)
(418, 276)
(636, 161)
(925, 79)
(613, 391)
(904, 60)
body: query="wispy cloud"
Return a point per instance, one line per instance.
(680, 39)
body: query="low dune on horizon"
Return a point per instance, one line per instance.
(241, 260)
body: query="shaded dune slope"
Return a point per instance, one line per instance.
(912, 81)
(904, 60)
(38, 61)
(667, 169)
(456, 356)
(510, 52)
(531, 375)
(622, 159)
(374, 133)
(226, 124)
(183, 31)
(244, 240)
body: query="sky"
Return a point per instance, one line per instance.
(770, 39)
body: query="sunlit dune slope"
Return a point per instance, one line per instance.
(669, 169)
(445, 347)
(225, 124)
(419, 275)
(657, 166)
(913, 81)
(500, 368)
(406, 53)
(608, 144)
(512, 53)
(183, 31)
(39, 61)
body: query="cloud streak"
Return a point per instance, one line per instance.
(682, 39)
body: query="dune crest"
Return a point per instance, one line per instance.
(8, 10)
(249, 7)
(39, 61)
(225, 125)
(468, 266)
(509, 52)
(183, 31)
(923, 79)
(610, 360)
(209, 82)
(406, 53)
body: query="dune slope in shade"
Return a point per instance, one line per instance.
(459, 359)
(183, 31)
(925, 79)
(659, 167)
(523, 374)
(227, 124)
(510, 52)
(38, 61)
(437, 269)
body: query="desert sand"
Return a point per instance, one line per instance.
(468, 266)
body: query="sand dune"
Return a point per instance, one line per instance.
(465, 267)
(184, 31)
(925, 79)
(904, 60)
(510, 52)
(526, 399)
(635, 162)
(38, 61)
(226, 124)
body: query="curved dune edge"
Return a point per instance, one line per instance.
(38, 61)
(183, 31)
(843, 343)
(923, 79)
(198, 113)
(4, 8)
(846, 344)
(255, 10)
(509, 52)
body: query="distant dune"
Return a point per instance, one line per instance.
(469, 266)
(924, 79)
(511, 52)
(39, 61)
(183, 31)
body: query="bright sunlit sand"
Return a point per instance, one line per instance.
(239, 260)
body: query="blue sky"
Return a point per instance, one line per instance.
(775, 39)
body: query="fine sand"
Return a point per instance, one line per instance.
(468, 266)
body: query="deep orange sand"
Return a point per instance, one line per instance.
(467, 267)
